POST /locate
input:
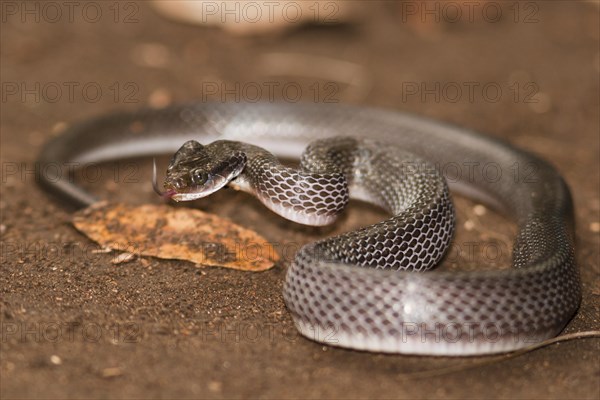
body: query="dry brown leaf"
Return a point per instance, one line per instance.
(176, 233)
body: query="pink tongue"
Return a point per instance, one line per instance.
(168, 194)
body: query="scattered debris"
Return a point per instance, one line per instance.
(123, 258)
(111, 372)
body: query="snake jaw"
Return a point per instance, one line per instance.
(187, 193)
(195, 193)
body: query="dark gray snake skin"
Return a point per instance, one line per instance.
(360, 290)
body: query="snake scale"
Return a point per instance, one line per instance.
(368, 289)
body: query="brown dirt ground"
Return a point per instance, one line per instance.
(76, 326)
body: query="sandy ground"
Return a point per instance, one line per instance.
(76, 326)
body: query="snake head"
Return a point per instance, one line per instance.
(195, 171)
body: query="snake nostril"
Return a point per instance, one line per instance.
(177, 183)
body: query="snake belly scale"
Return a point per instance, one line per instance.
(368, 289)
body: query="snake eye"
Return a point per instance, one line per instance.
(199, 176)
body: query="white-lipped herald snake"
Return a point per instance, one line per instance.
(365, 289)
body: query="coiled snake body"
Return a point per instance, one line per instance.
(365, 289)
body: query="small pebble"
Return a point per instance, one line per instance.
(123, 258)
(59, 128)
(469, 225)
(479, 210)
(56, 360)
(111, 372)
(102, 250)
(215, 386)
(111, 186)
(160, 98)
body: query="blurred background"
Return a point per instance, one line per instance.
(524, 71)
